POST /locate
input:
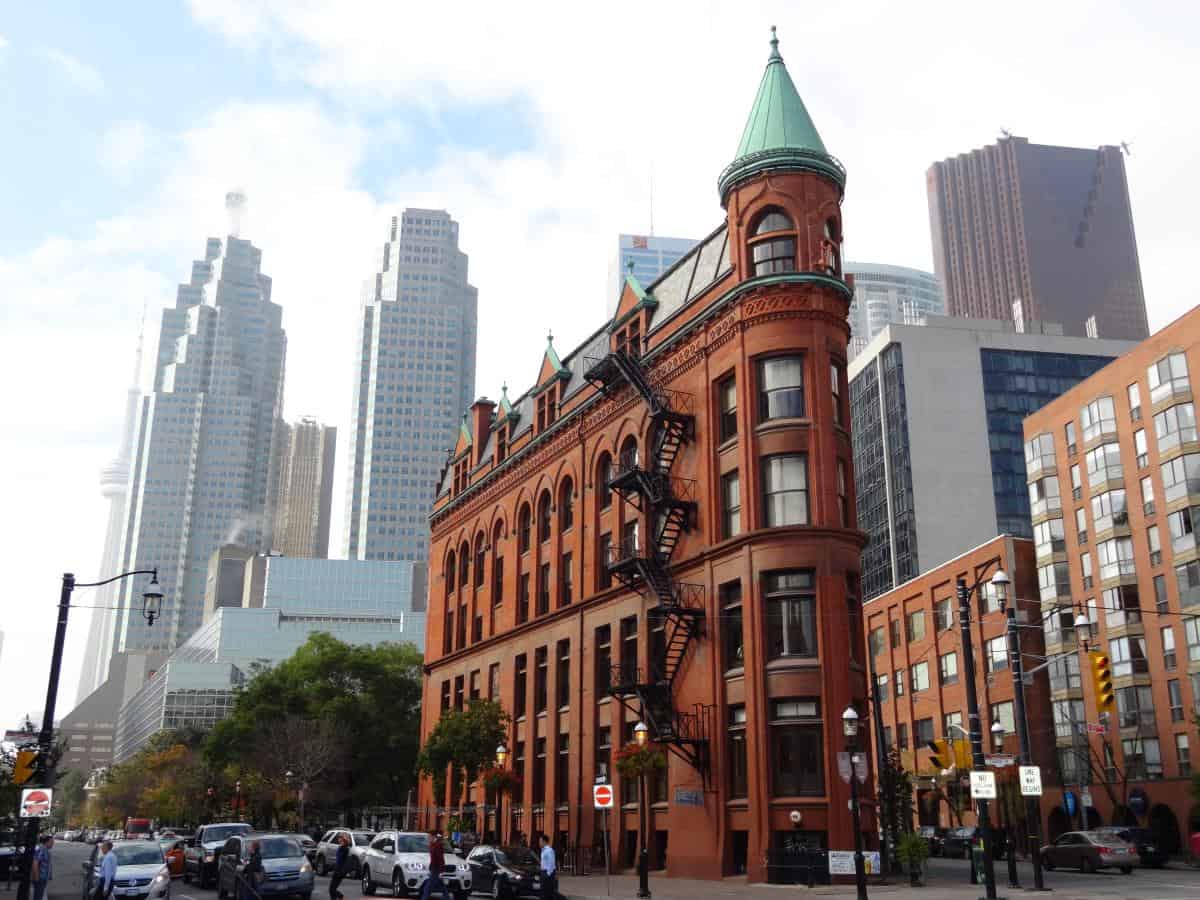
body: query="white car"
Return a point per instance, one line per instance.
(399, 860)
(142, 872)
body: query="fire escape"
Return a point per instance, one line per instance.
(669, 505)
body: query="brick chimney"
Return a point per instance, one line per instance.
(481, 420)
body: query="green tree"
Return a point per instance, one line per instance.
(463, 743)
(369, 697)
(69, 796)
(896, 795)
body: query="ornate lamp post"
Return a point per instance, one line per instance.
(850, 730)
(641, 734)
(501, 759)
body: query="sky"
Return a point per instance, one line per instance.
(539, 126)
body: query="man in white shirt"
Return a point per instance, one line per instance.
(108, 871)
(549, 866)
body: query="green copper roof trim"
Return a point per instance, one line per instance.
(464, 429)
(779, 129)
(784, 278)
(507, 413)
(648, 301)
(781, 160)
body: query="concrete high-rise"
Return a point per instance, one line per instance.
(886, 295)
(1027, 231)
(416, 372)
(114, 488)
(304, 488)
(203, 455)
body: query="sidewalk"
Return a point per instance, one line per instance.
(592, 887)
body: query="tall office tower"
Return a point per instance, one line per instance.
(304, 488)
(416, 373)
(114, 480)
(886, 295)
(203, 455)
(649, 256)
(1027, 231)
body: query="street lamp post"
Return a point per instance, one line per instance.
(151, 607)
(1083, 628)
(641, 734)
(1014, 880)
(1033, 812)
(975, 728)
(850, 729)
(501, 758)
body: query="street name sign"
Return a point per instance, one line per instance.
(1031, 781)
(602, 796)
(983, 785)
(36, 802)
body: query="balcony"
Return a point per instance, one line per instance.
(1059, 590)
(1111, 472)
(1045, 506)
(1051, 547)
(1039, 466)
(1099, 429)
(1181, 489)
(1167, 390)
(1138, 718)
(1116, 569)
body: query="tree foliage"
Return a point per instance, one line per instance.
(895, 794)
(463, 743)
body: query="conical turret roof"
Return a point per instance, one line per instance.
(779, 132)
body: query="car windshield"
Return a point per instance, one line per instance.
(412, 843)
(963, 832)
(224, 832)
(280, 848)
(1107, 840)
(138, 854)
(516, 856)
(362, 838)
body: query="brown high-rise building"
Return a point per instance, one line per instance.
(1027, 231)
(661, 529)
(304, 489)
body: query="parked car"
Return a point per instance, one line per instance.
(10, 852)
(957, 842)
(507, 873)
(1089, 851)
(935, 836)
(142, 872)
(200, 855)
(285, 866)
(400, 860)
(327, 850)
(1149, 853)
(173, 852)
(307, 844)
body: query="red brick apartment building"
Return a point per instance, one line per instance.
(1114, 479)
(915, 643)
(662, 529)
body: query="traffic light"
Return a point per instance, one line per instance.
(964, 757)
(1101, 680)
(25, 766)
(941, 755)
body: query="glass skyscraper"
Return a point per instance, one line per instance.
(889, 294)
(203, 448)
(416, 373)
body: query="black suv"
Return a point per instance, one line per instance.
(505, 872)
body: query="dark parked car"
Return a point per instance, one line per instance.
(1089, 851)
(505, 872)
(935, 836)
(1149, 852)
(957, 842)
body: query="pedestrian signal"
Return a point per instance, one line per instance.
(1102, 684)
(24, 768)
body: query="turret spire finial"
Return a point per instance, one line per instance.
(774, 45)
(550, 337)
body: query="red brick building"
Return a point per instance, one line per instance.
(662, 529)
(1114, 478)
(915, 642)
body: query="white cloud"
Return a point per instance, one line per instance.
(84, 76)
(124, 146)
(3, 42)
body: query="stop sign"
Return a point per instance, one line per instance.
(35, 803)
(602, 796)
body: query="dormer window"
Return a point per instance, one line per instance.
(547, 408)
(501, 444)
(773, 244)
(461, 477)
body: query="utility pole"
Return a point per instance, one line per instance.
(1033, 813)
(975, 730)
(881, 762)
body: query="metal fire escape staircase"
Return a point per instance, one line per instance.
(670, 507)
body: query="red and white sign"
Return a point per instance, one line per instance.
(602, 796)
(35, 803)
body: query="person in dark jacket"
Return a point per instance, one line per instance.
(341, 865)
(437, 862)
(254, 874)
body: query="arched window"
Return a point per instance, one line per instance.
(773, 245)
(524, 524)
(450, 571)
(480, 543)
(603, 476)
(544, 517)
(464, 563)
(497, 565)
(832, 248)
(566, 504)
(629, 453)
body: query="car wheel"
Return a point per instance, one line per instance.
(398, 884)
(368, 887)
(1126, 870)
(1087, 866)
(321, 869)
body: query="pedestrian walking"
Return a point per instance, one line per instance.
(341, 863)
(549, 864)
(108, 872)
(437, 862)
(42, 866)
(254, 874)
